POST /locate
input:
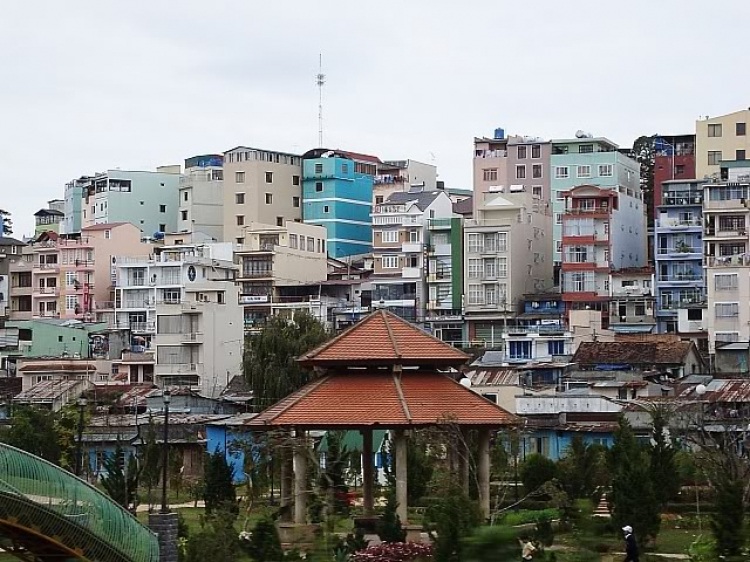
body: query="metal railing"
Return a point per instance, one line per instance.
(50, 501)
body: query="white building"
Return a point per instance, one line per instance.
(201, 207)
(181, 305)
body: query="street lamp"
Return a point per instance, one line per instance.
(700, 391)
(166, 397)
(79, 450)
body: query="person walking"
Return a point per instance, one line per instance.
(527, 549)
(631, 546)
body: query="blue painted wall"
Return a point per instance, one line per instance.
(558, 442)
(221, 438)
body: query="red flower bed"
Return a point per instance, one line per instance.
(394, 552)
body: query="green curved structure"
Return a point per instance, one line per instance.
(47, 512)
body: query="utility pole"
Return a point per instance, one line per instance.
(320, 80)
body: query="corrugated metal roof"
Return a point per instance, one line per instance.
(494, 377)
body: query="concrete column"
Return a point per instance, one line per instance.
(300, 479)
(401, 486)
(287, 474)
(165, 527)
(368, 477)
(483, 472)
(463, 461)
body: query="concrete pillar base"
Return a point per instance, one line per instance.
(165, 527)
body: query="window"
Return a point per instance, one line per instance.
(71, 302)
(240, 241)
(162, 208)
(319, 168)
(476, 295)
(725, 281)
(378, 199)
(184, 215)
(519, 349)
(714, 157)
(560, 195)
(490, 268)
(389, 236)
(726, 309)
(731, 223)
(537, 191)
(739, 155)
(521, 172)
(740, 129)
(521, 152)
(279, 221)
(556, 347)
(239, 177)
(605, 170)
(489, 174)
(269, 198)
(390, 262)
(70, 278)
(319, 186)
(502, 267)
(293, 241)
(239, 198)
(714, 129)
(475, 266)
(679, 169)
(490, 294)
(325, 208)
(107, 234)
(536, 151)
(295, 180)
(269, 177)
(414, 236)
(476, 242)
(240, 220)
(561, 172)
(344, 168)
(536, 171)
(558, 245)
(558, 218)
(585, 149)
(502, 241)
(185, 196)
(583, 172)
(695, 314)
(162, 228)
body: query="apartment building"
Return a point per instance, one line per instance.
(11, 250)
(73, 205)
(146, 199)
(275, 256)
(400, 236)
(720, 139)
(632, 303)
(403, 175)
(586, 160)
(674, 160)
(50, 218)
(70, 278)
(337, 193)
(537, 334)
(603, 230)
(261, 186)
(678, 243)
(201, 197)
(445, 279)
(508, 243)
(179, 307)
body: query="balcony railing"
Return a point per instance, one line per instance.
(728, 261)
(176, 368)
(680, 250)
(587, 210)
(681, 277)
(677, 223)
(48, 290)
(49, 266)
(142, 326)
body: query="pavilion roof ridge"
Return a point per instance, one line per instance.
(401, 397)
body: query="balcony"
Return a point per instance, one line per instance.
(682, 251)
(627, 292)
(192, 338)
(439, 224)
(600, 210)
(712, 232)
(48, 314)
(411, 272)
(411, 247)
(137, 303)
(104, 305)
(84, 264)
(634, 319)
(402, 220)
(256, 274)
(725, 205)
(677, 224)
(695, 199)
(176, 369)
(192, 307)
(440, 276)
(727, 261)
(142, 327)
(48, 267)
(46, 291)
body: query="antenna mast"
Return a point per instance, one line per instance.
(321, 80)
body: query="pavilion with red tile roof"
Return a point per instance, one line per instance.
(383, 373)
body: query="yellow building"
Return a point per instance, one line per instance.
(720, 138)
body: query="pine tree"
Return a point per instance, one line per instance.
(121, 480)
(219, 492)
(663, 468)
(265, 545)
(6, 224)
(633, 499)
(150, 460)
(390, 528)
(728, 517)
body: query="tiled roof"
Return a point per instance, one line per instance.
(382, 399)
(421, 199)
(382, 338)
(103, 226)
(632, 353)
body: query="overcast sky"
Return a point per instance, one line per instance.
(91, 85)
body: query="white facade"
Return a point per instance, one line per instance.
(201, 207)
(180, 304)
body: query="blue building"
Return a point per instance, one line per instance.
(337, 194)
(678, 251)
(554, 442)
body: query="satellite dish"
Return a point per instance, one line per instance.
(465, 382)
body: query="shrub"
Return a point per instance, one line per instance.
(264, 544)
(394, 552)
(452, 518)
(390, 529)
(524, 516)
(492, 543)
(536, 470)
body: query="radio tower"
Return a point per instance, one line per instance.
(321, 80)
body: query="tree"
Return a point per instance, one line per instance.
(7, 223)
(663, 467)
(270, 364)
(333, 477)
(35, 431)
(452, 517)
(265, 545)
(535, 471)
(728, 517)
(420, 467)
(633, 499)
(120, 479)
(390, 528)
(219, 492)
(580, 470)
(644, 153)
(217, 539)
(150, 460)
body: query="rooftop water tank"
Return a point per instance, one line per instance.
(499, 133)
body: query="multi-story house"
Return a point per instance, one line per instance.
(403, 175)
(720, 139)
(260, 186)
(11, 250)
(49, 219)
(71, 278)
(508, 243)
(674, 160)
(400, 236)
(445, 279)
(73, 206)
(180, 305)
(337, 194)
(146, 199)
(591, 161)
(538, 333)
(274, 256)
(201, 209)
(678, 252)
(603, 230)
(632, 301)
